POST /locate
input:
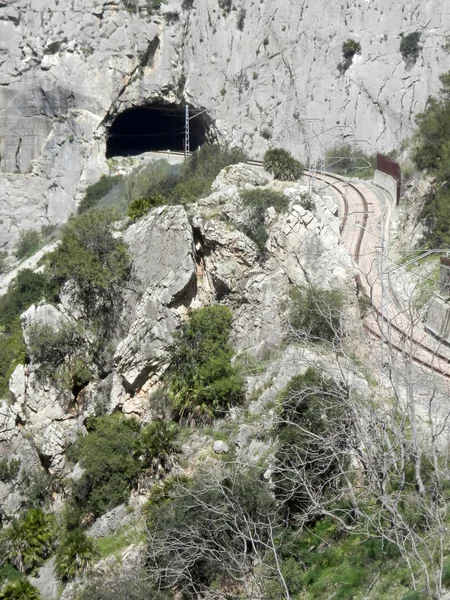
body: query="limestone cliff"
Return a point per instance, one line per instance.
(266, 73)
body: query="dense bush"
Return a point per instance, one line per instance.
(316, 314)
(19, 590)
(28, 541)
(93, 263)
(311, 409)
(108, 456)
(76, 553)
(28, 243)
(202, 381)
(62, 353)
(157, 442)
(258, 201)
(350, 161)
(409, 47)
(202, 168)
(349, 49)
(282, 165)
(113, 454)
(209, 532)
(140, 207)
(432, 154)
(95, 192)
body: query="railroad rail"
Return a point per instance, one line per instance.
(354, 202)
(429, 356)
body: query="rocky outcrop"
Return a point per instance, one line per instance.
(266, 74)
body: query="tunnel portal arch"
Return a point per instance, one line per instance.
(156, 126)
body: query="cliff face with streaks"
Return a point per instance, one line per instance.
(267, 73)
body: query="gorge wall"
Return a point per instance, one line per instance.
(266, 73)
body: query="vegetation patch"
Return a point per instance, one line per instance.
(93, 263)
(316, 314)
(351, 162)
(24, 290)
(202, 381)
(95, 192)
(349, 49)
(432, 154)
(141, 206)
(258, 201)
(282, 165)
(410, 48)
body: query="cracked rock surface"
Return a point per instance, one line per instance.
(267, 74)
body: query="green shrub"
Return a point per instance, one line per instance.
(432, 154)
(409, 47)
(157, 442)
(28, 541)
(203, 166)
(109, 458)
(311, 409)
(202, 381)
(24, 290)
(349, 49)
(240, 20)
(96, 191)
(27, 244)
(258, 201)
(282, 165)
(316, 314)
(349, 161)
(62, 353)
(37, 487)
(93, 262)
(76, 553)
(9, 573)
(3, 262)
(213, 517)
(140, 207)
(19, 590)
(187, 4)
(9, 469)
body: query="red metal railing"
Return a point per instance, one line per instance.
(392, 168)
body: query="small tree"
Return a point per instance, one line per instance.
(282, 165)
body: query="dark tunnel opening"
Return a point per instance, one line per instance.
(156, 127)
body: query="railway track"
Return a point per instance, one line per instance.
(355, 205)
(423, 349)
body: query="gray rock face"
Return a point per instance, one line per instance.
(267, 75)
(163, 259)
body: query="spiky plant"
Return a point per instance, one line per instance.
(75, 554)
(282, 165)
(19, 590)
(28, 541)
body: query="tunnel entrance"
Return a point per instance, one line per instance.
(155, 126)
